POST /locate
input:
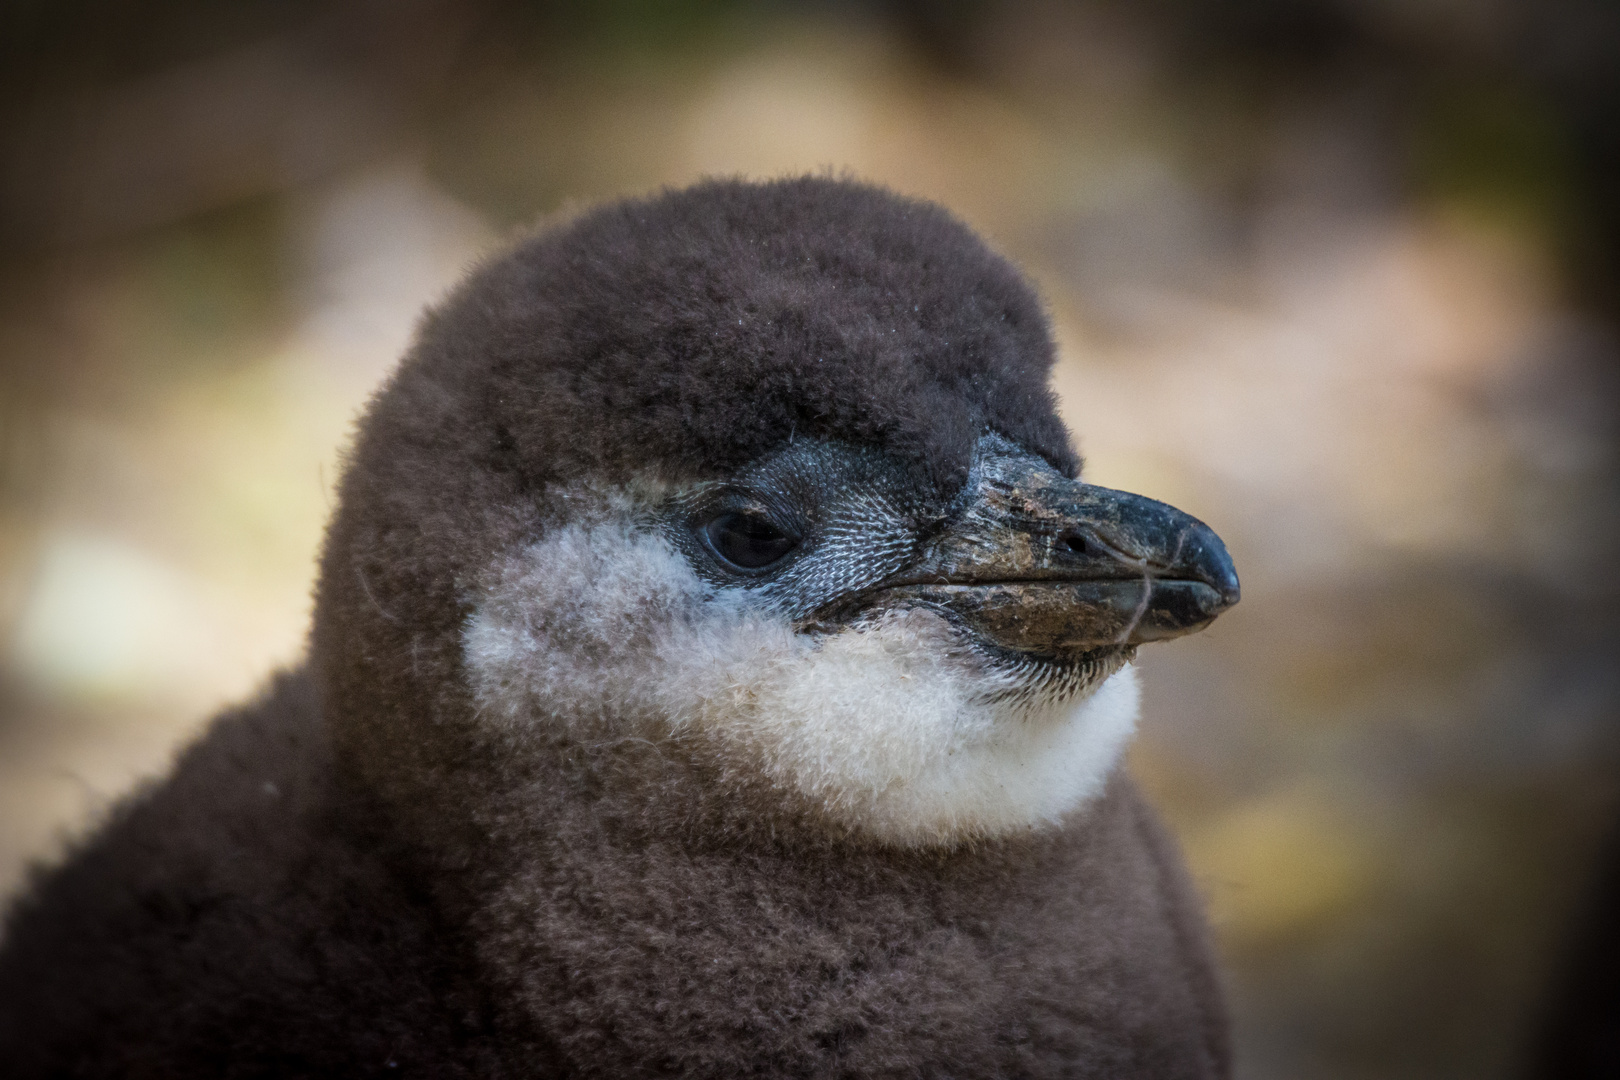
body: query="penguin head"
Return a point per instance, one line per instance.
(761, 488)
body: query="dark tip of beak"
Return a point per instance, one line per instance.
(1206, 560)
(1178, 568)
(1191, 590)
(1184, 568)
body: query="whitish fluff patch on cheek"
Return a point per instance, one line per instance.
(889, 729)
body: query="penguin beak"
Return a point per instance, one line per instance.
(1039, 563)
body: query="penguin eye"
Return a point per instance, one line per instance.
(747, 541)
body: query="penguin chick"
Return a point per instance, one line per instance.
(718, 669)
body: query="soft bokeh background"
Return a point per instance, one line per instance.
(1337, 277)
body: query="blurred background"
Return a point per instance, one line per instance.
(1337, 276)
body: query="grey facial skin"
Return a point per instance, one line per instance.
(1026, 561)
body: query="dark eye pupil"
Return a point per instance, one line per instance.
(747, 541)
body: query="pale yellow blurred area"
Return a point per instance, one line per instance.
(1392, 756)
(174, 559)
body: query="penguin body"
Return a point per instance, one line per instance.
(717, 669)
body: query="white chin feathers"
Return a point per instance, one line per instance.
(895, 729)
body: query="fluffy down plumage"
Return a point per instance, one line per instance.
(407, 859)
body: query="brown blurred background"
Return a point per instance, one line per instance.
(1337, 276)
